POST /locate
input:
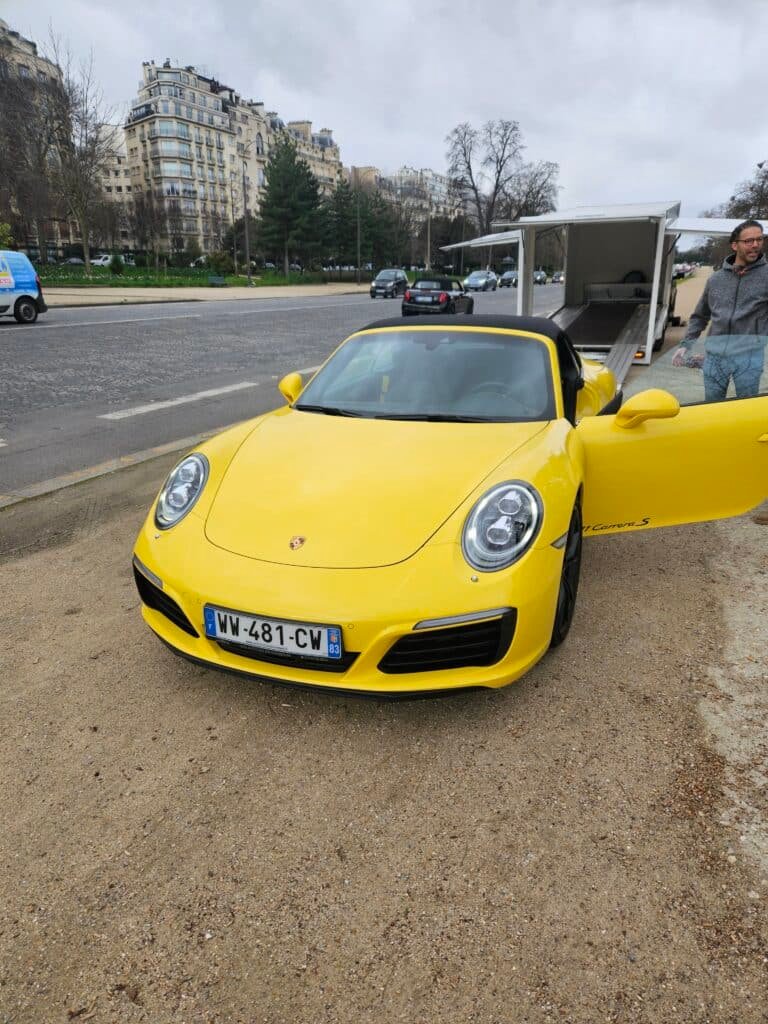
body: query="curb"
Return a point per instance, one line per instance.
(116, 302)
(152, 300)
(80, 476)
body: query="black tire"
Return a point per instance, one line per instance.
(471, 307)
(451, 307)
(25, 311)
(569, 579)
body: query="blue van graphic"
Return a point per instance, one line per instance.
(21, 295)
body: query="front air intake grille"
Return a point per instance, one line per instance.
(292, 660)
(479, 643)
(154, 597)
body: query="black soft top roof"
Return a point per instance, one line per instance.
(533, 324)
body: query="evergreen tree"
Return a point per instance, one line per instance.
(291, 222)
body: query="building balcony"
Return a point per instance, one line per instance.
(139, 113)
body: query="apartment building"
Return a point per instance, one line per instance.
(201, 149)
(424, 191)
(19, 56)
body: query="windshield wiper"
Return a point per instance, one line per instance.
(432, 417)
(328, 410)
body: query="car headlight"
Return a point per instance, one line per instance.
(502, 526)
(181, 490)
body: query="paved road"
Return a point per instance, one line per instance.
(89, 386)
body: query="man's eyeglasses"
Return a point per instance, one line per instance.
(751, 241)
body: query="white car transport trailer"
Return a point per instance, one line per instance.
(619, 294)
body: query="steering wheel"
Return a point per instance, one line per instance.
(503, 390)
(490, 387)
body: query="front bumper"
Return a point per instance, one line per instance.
(377, 609)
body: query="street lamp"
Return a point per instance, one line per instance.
(245, 223)
(358, 234)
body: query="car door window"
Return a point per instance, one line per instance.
(715, 370)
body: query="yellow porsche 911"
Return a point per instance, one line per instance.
(411, 521)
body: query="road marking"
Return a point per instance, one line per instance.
(139, 410)
(285, 309)
(3, 444)
(101, 323)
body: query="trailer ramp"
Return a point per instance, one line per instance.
(608, 332)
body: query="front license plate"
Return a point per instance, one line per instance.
(277, 635)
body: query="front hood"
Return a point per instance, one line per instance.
(361, 492)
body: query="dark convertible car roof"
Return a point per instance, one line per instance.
(533, 324)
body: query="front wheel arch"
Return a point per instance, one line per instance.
(569, 577)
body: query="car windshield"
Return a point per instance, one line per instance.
(476, 275)
(428, 374)
(385, 275)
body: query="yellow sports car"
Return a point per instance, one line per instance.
(411, 521)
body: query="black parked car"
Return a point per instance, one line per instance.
(508, 279)
(389, 283)
(437, 295)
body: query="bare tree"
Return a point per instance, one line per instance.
(85, 141)
(750, 199)
(148, 223)
(482, 163)
(108, 220)
(27, 157)
(175, 223)
(530, 191)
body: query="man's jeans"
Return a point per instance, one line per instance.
(746, 369)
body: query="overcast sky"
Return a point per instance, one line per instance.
(636, 100)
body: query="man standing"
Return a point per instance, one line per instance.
(735, 300)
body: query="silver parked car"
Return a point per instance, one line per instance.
(481, 281)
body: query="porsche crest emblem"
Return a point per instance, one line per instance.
(295, 543)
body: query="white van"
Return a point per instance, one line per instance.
(21, 294)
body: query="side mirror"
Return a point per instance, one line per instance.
(290, 387)
(653, 404)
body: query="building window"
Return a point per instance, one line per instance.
(23, 71)
(259, 144)
(118, 188)
(109, 188)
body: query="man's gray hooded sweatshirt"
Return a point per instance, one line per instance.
(736, 301)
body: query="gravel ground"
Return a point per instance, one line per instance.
(590, 844)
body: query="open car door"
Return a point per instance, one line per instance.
(669, 457)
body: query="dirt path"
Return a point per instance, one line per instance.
(181, 846)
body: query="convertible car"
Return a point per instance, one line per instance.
(411, 520)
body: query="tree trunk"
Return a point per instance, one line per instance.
(85, 235)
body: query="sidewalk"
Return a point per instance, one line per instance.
(64, 297)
